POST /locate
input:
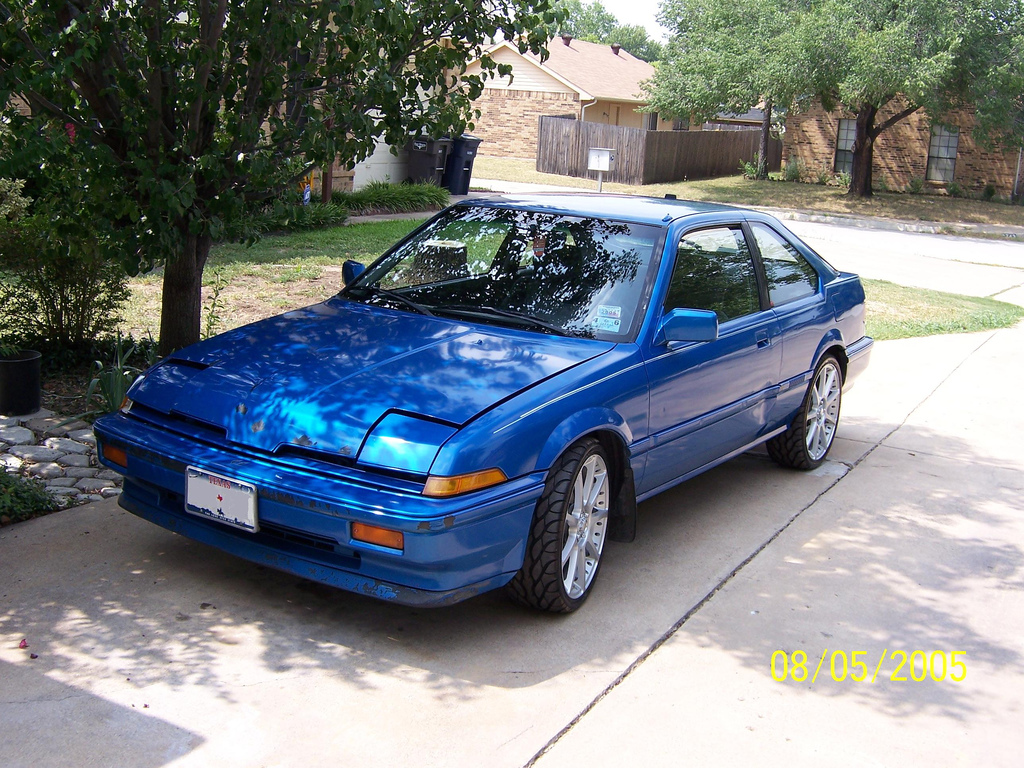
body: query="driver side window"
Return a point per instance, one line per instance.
(714, 270)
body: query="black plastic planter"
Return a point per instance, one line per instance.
(20, 388)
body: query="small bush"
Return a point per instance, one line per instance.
(383, 197)
(13, 205)
(823, 175)
(954, 189)
(988, 192)
(916, 186)
(794, 170)
(66, 289)
(844, 179)
(22, 499)
(290, 215)
(748, 169)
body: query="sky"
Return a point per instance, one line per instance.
(642, 12)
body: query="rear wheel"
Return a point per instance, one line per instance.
(563, 551)
(807, 441)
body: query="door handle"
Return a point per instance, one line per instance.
(763, 340)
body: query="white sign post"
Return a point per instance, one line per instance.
(600, 159)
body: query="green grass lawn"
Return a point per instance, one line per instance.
(776, 194)
(283, 272)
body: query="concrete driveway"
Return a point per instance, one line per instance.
(153, 650)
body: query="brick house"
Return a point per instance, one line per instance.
(914, 148)
(585, 81)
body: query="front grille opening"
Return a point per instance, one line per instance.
(305, 539)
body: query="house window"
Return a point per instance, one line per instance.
(652, 121)
(680, 125)
(942, 153)
(844, 146)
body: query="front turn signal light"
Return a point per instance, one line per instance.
(456, 484)
(115, 455)
(382, 537)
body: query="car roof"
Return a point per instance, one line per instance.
(644, 210)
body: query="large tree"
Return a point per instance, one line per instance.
(726, 56)
(189, 110)
(883, 60)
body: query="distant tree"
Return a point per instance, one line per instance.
(862, 55)
(596, 24)
(185, 111)
(726, 56)
(931, 55)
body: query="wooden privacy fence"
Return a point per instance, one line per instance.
(647, 157)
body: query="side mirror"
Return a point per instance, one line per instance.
(350, 270)
(688, 325)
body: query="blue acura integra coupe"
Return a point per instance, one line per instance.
(485, 404)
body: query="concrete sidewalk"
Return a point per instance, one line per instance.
(919, 547)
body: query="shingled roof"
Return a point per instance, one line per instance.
(595, 69)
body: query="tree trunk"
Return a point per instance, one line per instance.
(863, 152)
(762, 152)
(182, 303)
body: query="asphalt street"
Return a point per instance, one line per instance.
(156, 651)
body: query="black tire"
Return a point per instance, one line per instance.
(805, 445)
(541, 582)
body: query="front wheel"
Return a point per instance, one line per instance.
(563, 550)
(807, 441)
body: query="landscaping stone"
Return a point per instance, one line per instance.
(17, 435)
(49, 425)
(80, 472)
(42, 413)
(82, 435)
(74, 460)
(65, 445)
(93, 485)
(64, 457)
(36, 453)
(46, 471)
(10, 463)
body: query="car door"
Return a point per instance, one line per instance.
(710, 399)
(796, 297)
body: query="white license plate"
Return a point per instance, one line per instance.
(221, 498)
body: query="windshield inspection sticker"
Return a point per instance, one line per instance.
(606, 310)
(607, 324)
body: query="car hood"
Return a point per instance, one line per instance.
(323, 376)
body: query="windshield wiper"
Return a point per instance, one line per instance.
(486, 311)
(374, 290)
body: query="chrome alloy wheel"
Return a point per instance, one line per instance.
(586, 522)
(823, 410)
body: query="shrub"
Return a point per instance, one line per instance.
(988, 192)
(384, 197)
(916, 186)
(845, 179)
(13, 205)
(748, 169)
(21, 498)
(65, 289)
(794, 170)
(288, 215)
(954, 189)
(823, 174)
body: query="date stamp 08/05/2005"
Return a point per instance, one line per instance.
(905, 666)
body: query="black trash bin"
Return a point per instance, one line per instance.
(427, 158)
(459, 169)
(20, 391)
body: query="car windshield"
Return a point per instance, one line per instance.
(565, 275)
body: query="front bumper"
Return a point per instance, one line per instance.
(454, 548)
